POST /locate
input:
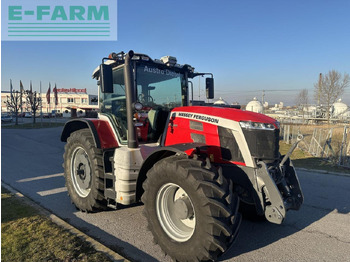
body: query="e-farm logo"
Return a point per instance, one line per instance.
(73, 20)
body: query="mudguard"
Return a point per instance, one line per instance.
(159, 154)
(101, 131)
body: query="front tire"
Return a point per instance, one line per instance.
(191, 209)
(83, 171)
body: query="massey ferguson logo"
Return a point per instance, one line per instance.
(203, 118)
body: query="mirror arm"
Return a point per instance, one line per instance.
(203, 74)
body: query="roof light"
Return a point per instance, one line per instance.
(112, 56)
(169, 60)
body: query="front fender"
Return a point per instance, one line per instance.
(158, 155)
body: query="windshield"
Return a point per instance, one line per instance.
(158, 90)
(160, 87)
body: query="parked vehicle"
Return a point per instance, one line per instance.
(28, 115)
(6, 118)
(191, 166)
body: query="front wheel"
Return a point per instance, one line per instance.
(191, 209)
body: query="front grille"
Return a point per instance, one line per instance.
(263, 144)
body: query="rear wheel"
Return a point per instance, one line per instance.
(83, 171)
(191, 209)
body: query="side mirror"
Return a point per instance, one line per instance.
(209, 87)
(106, 78)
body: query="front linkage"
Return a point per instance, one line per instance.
(278, 187)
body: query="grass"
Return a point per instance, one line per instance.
(26, 235)
(32, 126)
(305, 160)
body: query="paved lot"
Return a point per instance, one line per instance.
(23, 120)
(32, 163)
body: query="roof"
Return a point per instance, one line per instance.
(118, 59)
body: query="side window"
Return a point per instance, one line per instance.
(114, 104)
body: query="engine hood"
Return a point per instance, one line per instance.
(227, 113)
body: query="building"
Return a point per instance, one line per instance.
(220, 101)
(254, 106)
(71, 102)
(338, 109)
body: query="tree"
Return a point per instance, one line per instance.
(302, 100)
(330, 87)
(14, 103)
(33, 101)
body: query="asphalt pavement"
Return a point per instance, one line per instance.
(31, 162)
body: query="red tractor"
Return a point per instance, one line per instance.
(191, 166)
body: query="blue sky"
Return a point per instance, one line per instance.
(249, 46)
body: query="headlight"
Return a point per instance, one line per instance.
(256, 125)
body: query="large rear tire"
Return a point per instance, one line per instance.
(83, 171)
(191, 209)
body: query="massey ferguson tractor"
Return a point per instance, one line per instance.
(191, 166)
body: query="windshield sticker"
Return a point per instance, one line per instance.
(200, 117)
(154, 70)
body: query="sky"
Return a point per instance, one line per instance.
(277, 46)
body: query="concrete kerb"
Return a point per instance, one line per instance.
(323, 172)
(98, 246)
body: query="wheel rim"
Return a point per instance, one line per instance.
(175, 212)
(81, 172)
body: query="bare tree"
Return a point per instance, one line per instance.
(302, 100)
(14, 103)
(33, 102)
(330, 87)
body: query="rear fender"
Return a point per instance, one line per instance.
(101, 130)
(77, 124)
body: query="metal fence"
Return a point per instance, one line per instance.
(331, 144)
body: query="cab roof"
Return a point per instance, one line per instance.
(119, 59)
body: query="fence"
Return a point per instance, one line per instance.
(330, 143)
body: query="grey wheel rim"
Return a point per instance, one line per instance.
(175, 212)
(81, 172)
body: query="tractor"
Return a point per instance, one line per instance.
(197, 169)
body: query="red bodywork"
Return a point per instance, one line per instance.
(180, 130)
(105, 133)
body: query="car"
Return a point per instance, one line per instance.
(47, 115)
(6, 118)
(27, 114)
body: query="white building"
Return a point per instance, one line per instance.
(220, 102)
(254, 106)
(70, 102)
(338, 109)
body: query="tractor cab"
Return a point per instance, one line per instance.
(155, 87)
